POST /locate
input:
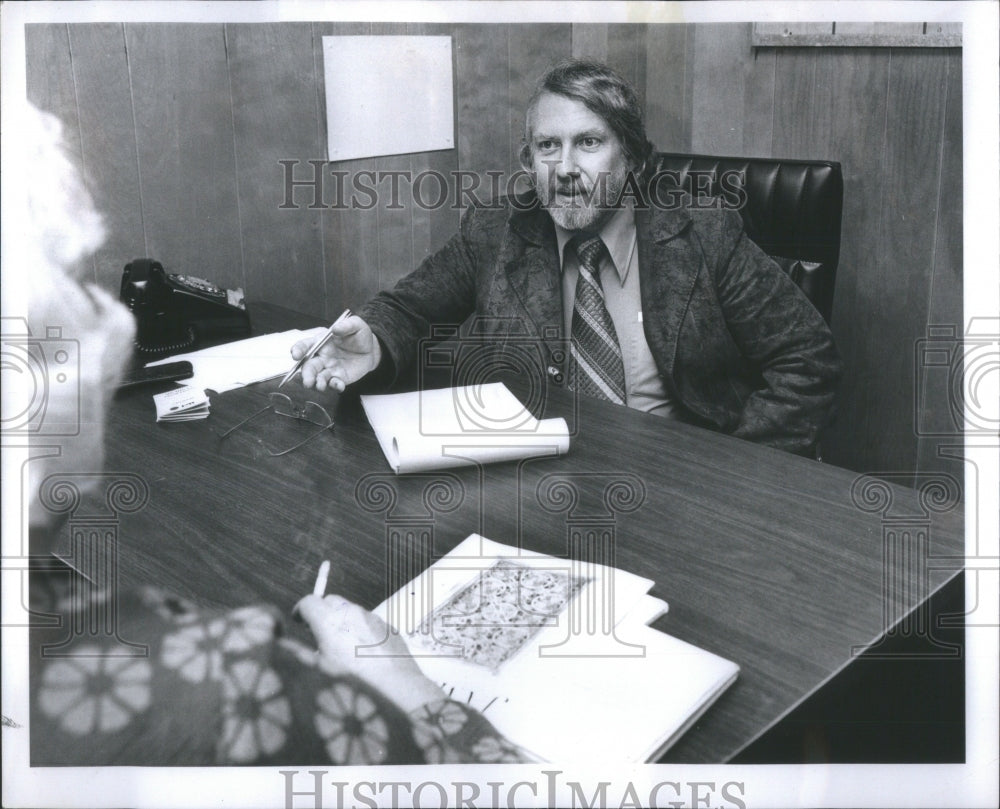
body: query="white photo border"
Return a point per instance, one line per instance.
(971, 784)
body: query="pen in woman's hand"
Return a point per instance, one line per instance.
(321, 578)
(319, 588)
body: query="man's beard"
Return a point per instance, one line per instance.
(590, 208)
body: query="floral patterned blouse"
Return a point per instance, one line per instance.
(223, 687)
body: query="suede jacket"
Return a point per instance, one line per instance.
(738, 345)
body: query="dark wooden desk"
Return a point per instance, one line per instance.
(770, 560)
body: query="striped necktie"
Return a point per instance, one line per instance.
(600, 371)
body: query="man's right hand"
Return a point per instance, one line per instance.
(352, 353)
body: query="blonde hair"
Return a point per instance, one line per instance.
(63, 223)
(62, 228)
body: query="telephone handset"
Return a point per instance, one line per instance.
(174, 311)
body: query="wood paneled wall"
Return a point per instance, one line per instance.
(893, 118)
(180, 128)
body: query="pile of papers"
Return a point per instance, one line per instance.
(239, 363)
(181, 404)
(224, 367)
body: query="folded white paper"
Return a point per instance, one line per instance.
(239, 363)
(647, 610)
(465, 426)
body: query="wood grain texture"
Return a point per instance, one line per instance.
(51, 87)
(49, 78)
(433, 223)
(350, 232)
(758, 104)
(111, 169)
(945, 304)
(851, 34)
(719, 54)
(900, 278)
(276, 116)
(482, 114)
(627, 55)
(796, 105)
(765, 558)
(395, 219)
(859, 85)
(394, 206)
(667, 124)
(590, 41)
(182, 105)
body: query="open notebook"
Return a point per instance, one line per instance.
(556, 654)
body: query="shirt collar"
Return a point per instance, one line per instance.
(618, 235)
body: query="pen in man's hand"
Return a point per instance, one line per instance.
(314, 349)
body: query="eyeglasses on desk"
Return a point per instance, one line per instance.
(282, 405)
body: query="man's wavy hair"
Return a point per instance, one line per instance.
(603, 92)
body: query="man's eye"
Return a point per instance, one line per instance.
(590, 143)
(545, 145)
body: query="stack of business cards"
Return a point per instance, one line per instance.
(181, 404)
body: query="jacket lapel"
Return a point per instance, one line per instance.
(668, 270)
(532, 268)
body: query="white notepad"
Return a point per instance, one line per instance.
(465, 426)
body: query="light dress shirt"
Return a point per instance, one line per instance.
(619, 268)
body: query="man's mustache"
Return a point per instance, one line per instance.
(571, 188)
(579, 190)
(575, 186)
(579, 186)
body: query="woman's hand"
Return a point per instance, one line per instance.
(352, 640)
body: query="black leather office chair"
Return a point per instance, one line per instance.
(792, 210)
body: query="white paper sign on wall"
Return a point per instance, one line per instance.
(387, 95)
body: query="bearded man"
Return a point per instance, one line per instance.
(644, 300)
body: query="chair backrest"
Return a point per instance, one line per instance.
(790, 208)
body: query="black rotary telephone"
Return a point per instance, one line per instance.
(173, 312)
